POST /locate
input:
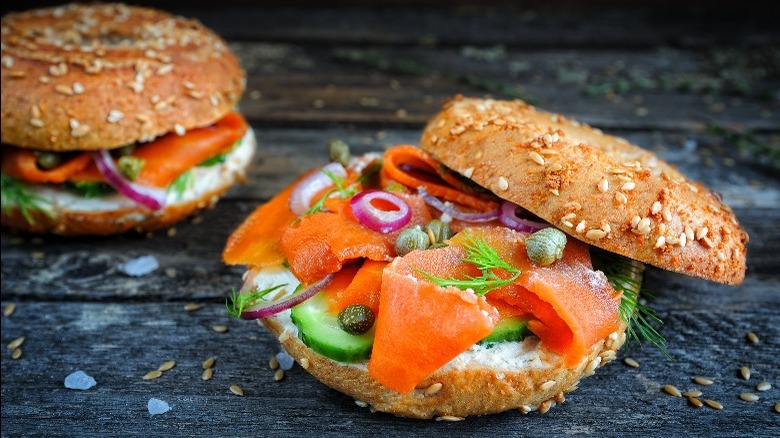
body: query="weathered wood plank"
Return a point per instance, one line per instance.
(118, 343)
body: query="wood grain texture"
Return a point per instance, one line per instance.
(371, 74)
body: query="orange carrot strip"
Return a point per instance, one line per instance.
(406, 155)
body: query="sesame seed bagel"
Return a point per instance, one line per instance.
(72, 215)
(598, 188)
(86, 77)
(466, 386)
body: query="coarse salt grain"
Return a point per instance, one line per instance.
(79, 380)
(139, 266)
(157, 406)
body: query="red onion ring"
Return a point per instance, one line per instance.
(148, 196)
(384, 221)
(270, 308)
(300, 198)
(449, 209)
(509, 218)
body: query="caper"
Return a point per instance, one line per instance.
(438, 230)
(545, 246)
(126, 150)
(410, 239)
(48, 160)
(356, 319)
(338, 151)
(130, 166)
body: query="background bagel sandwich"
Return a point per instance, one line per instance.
(475, 317)
(115, 118)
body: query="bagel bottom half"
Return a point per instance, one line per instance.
(70, 215)
(483, 380)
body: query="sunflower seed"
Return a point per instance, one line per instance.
(151, 375)
(235, 389)
(752, 338)
(631, 362)
(745, 373)
(672, 390)
(167, 365)
(8, 310)
(207, 374)
(192, 307)
(433, 389)
(208, 363)
(361, 403)
(777, 407)
(763, 386)
(702, 380)
(278, 375)
(695, 402)
(693, 393)
(273, 363)
(16, 343)
(220, 328)
(449, 418)
(713, 404)
(16, 354)
(749, 396)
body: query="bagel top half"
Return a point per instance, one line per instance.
(100, 76)
(598, 188)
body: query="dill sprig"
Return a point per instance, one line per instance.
(239, 301)
(625, 275)
(16, 194)
(181, 184)
(480, 254)
(340, 186)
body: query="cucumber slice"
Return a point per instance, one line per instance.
(319, 330)
(509, 329)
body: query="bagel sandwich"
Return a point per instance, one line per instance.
(489, 269)
(116, 118)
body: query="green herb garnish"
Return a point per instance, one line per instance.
(16, 194)
(213, 161)
(480, 254)
(625, 275)
(181, 184)
(239, 301)
(88, 189)
(345, 191)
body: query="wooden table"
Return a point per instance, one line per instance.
(691, 84)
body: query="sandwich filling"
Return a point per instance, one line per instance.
(436, 266)
(176, 168)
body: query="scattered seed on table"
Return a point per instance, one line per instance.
(672, 390)
(208, 373)
(713, 404)
(16, 343)
(16, 354)
(631, 362)
(361, 403)
(219, 328)
(777, 407)
(752, 338)
(192, 307)
(449, 418)
(273, 363)
(695, 402)
(692, 393)
(8, 310)
(208, 363)
(749, 396)
(167, 365)
(745, 373)
(278, 375)
(235, 389)
(151, 375)
(763, 386)
(702, 380)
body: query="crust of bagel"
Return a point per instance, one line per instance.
(598, 188)
(74, 223)
(464, 391)
(66, 86)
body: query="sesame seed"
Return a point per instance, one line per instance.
(284, 336)
(526, 409)
(635, 221)
(235, 389)
(631, 362)
(304, 363)
(433, 389)
(682, 240)
(63, 89)
(591, 368)
(695, 402)
(667, 214)
(603, 185)
(763, 386)
(503, 184)
(214, 99)
(167, 365)
(621, 197)
(595, 234)
(569, 217)
(115, 116)
(721, 256)
(219, 328)
(16, 354)
(628, 186)
(165, 69)
(580, 227)
(9, 309)
(752, 338)
(692, 393)
(208, 373)
(661, 241)
(745, 373)
(702, 380)
(78, 88)
(544, 407)
(749, 397)
(151, 375)
(468, 172)
(656, 208)
(179, 129)
(38, 123)
(278, 375)
(672, 390)
(536, 158)
(193, 307)
(554, 192)
(8, 61)
(547, 139)
(16, 343)
(188, 85)
(713, 404)
(457, 130)
(449, 418)
(607, 228)
(80, 131)
(701, 233)
(547, 385)
(361, 403)
(208, 363)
